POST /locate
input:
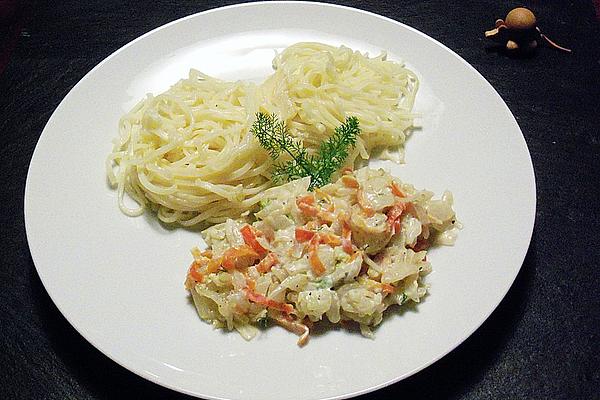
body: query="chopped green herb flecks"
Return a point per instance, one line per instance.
(325, 283)
(263, 203)
(404, 298)
(263, 322)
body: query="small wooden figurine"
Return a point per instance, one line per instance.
(519, 31)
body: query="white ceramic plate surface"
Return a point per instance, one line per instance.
(119, 280)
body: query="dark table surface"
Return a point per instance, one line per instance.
(543, 340)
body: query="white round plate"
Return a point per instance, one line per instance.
(119, 280)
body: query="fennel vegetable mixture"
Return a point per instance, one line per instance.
(345, 252)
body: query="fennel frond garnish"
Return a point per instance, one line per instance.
(273, 135)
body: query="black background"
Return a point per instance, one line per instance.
(543, 340)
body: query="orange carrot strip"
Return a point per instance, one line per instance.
(267, 263)
(249, 234)
(347, 246)
(346, 230)
(350, 182)
(195, 275)
(396, 190)
(313, 257)
(394, 214)
(207, 253)
(214, 265)
(250, 283)
(346, 234)
(330, 239)
(368, 210)
(267, 302)
(396, 211)
(239, 257)
(304, 235)
(294, 326)
(306, 204)
(387, 288)
(307, 199)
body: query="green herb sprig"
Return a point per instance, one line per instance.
(273, 135)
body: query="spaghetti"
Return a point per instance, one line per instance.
(188, 154)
